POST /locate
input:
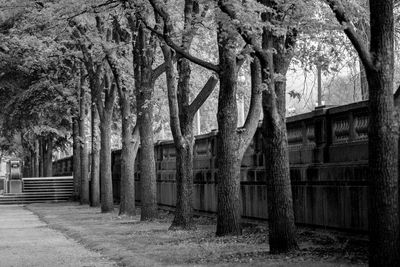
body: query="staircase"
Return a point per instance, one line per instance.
(43, 189)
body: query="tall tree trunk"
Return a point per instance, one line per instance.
(95, 158)
(147, 161)
(103, 93)
(130, 146)
(228, 159)
(41, 157)
(143, 53)
(107, 202)
(383, 209)
(383, 217)
(184, 183)
(231, 142)
(181, 118)
(76, 158)
(31, 163)
(282, 231)
(48, 157)
(129, 135)
(84, 192)
(36, 160)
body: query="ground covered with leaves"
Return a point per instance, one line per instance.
(130, 242)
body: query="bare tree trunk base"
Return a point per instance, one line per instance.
(181, 224)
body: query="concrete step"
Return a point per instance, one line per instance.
(35, 190)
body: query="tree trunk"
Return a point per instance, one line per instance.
(48, 157)
(383, 217)
(282, 233)
(107, 202)
(143, 56)
(183, 218)
(76, 158)
(31, 163)
(383, 209)
(228, 158)
(95, 158)
(181, 118)
(130, 145)
(84, 192)
(37, 156)
(147, 161)
(41, 157)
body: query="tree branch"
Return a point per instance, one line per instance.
(250, 39)
(351, 33)
(250, 126)
(160, 69)
(110, 98)
(159, 8)
(172, 96)
(203, 95)
(136, 138)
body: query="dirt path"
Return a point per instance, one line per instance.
(27, 241)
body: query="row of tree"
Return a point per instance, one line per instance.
(81, 57)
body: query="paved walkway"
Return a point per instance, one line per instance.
(27, 241)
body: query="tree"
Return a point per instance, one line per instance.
(95, 156)
(383, 213)
(182, 113)
(100, 84)
(144, 51)
(232, 142)
(130, 133)
(84, 156)
(278, 40)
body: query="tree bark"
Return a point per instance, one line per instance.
(130, 146)
(95, 158)
(228, 160)
(41, 157)
(76, 158)
(143, 54)
(107, 202)
(36, 160)
(231, 144)
(84, 192)
(382, 141)
(147, 159)
(282, 231)
(383, 210)
(129, 135)
(48, 156)
(103, 93)
(181, 121)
